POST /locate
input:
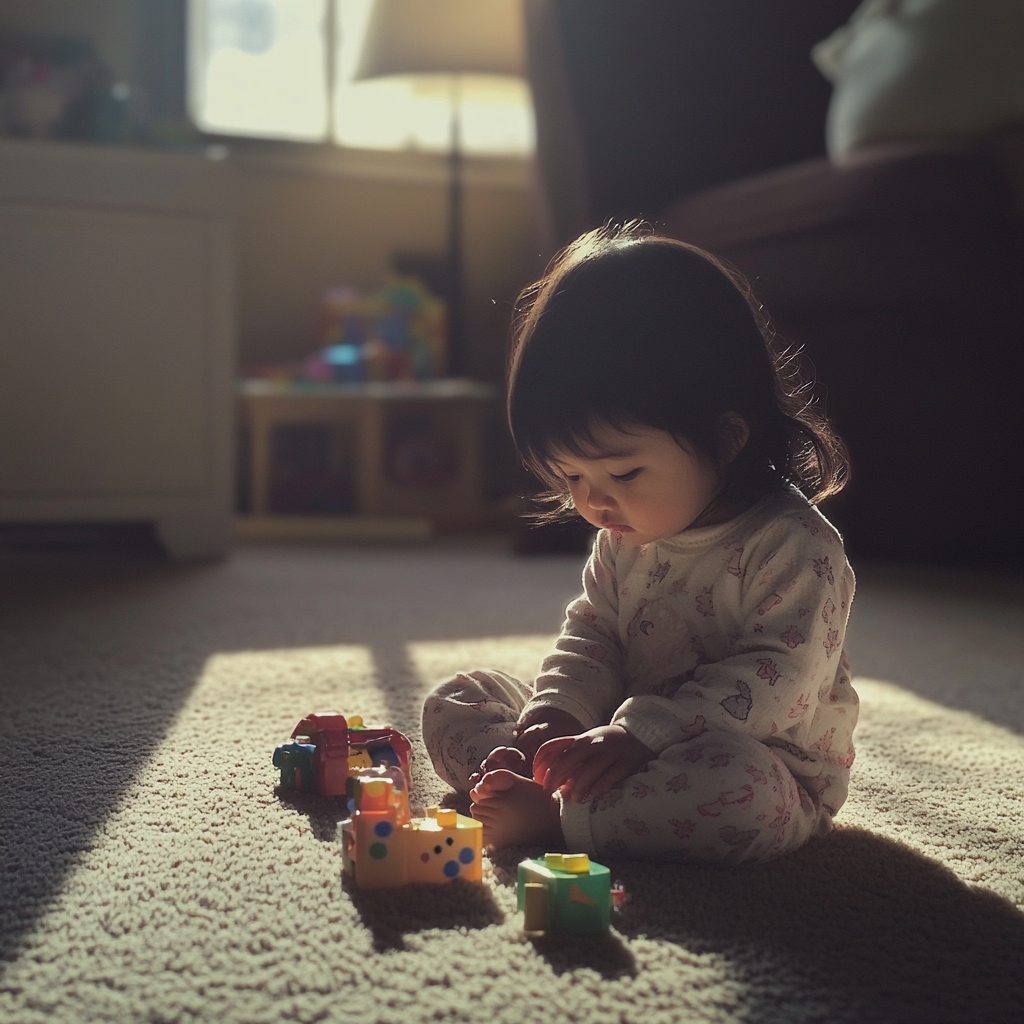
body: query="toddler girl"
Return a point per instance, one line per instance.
(697, 704)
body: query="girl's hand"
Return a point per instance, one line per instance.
(588, 765)
(542, 725)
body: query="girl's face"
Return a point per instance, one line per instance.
(640, 484)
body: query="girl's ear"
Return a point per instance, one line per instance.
(734, 434)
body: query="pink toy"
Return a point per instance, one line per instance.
(327, 749)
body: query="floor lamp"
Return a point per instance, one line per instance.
(446, 40)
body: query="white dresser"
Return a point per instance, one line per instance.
(117, 340)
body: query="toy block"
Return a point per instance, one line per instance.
(535, 906)
(444, 816)
(445, 846)
(327, 732)
(377, 853)
(382, 847)
(398, 795)
(564, 893)
(296, 763)
(573, 863)
(341, 748)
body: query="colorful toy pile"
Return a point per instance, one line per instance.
(384, 847)
(327, 750)
(397, 333)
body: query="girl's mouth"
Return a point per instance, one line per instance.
(619, 527)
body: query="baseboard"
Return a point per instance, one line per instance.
(332, 528)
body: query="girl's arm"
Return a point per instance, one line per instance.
(583, 676)
(792, 624)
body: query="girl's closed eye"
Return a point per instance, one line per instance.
(626, 477)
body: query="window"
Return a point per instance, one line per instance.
(283, 69)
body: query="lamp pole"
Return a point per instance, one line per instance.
(452, 38)
(456, 328)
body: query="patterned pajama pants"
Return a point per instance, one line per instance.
(721, 797)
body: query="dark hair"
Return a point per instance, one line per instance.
(628, 327)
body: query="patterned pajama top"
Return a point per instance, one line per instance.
(737, 627)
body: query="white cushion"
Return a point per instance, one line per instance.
(923, 69)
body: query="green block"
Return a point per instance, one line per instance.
(576, 902)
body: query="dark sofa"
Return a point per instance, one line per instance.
(902, 275)
(900, 272)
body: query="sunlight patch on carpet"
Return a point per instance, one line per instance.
(947, 782)
(203, 871)
(519, 656)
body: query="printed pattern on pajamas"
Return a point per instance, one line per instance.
(722, 797)
(721, 650)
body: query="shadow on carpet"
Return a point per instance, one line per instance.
(391, 914)
(859, 916)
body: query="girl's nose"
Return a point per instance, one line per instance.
(599, 499)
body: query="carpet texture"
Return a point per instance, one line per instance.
(151, 872)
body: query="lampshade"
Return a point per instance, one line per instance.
(442, 37)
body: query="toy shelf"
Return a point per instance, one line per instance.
(380, 460)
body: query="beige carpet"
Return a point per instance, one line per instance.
(149, 871)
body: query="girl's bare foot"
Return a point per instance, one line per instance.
(516, 811)
(509, 758)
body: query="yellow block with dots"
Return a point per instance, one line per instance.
(443, 846)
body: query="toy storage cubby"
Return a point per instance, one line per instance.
(382, 452)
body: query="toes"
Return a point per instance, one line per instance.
(481, 792)
(487, 815)
(500, 780)
(505, 758)
(496, 785)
